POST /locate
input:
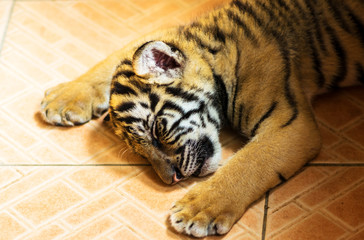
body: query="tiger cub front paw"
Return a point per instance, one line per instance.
(203, 211)
(73, 103)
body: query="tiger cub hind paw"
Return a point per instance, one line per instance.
(71, 104)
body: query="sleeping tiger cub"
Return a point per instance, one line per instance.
(253, 64)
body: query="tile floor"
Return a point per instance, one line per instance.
(82, 183)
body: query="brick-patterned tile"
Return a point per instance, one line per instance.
(329, 209)
(316, 226)
(336, 110)
(349, 208)
(11, 228)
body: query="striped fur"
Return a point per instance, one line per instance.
(252, 64)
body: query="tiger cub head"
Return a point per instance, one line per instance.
(163, 103)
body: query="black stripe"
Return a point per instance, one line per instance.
(287, 86)
(170, 105)
(129, 120)
(316, 25)
(337, 12)
(220, 88)
(178, 137)
(124, 73)
(191, 37)
(247, 9)
(144, 105)
(213, 121)
(218, 34)
(281, 177)
(341, 55)
(240, 119)
(360, 72)
(178, 92)
(154, 100)
(125, 107)
(126, 62)
(121, 89)
(264, 117)
(320, 79)
(236, 19)
(359, 26)
(186, 116)
(285, 53)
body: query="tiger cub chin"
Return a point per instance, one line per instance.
(254, 65)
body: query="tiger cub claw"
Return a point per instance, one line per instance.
(66, 105)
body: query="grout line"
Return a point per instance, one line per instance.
(74, 165)
(264, 227)
(6, 26)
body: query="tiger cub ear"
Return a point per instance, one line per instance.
(158, 63)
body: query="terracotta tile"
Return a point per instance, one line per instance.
(333, 186)
(151, 192)
(48, 232)
(252, 221)
(30, 23)
(48, 154)
(125, 233)
(120, 154)
(72, 26)
(356, 133)
(31, 47)
(356, 93)
(149, 227)
(8, 175)
(14, 84)
(314, 227)
(79, 54)
(12, 226)
(10, 154)
(336, 110)
(25, 66)
(350, 208)
(328, 137)
(69, 71)
(285, 216)
(107, 23)
(147, 5)
(358, 236)
(5, 10)
(25, 109)
(151, 21)
(16, 131)
(295, 186)
(203, 7)
(46, 204)
(95, 229)
(94, 208)
(26, 185)
(95, 179)
(349, 153)
(326, 156)
(120, 10)
(81, 142)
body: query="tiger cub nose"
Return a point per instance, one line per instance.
(177, 176)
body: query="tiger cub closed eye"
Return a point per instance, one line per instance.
(252, 64)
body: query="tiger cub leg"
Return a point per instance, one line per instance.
(275, 153)
(77, 101)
